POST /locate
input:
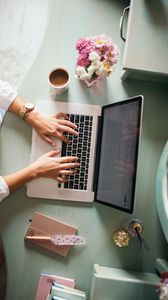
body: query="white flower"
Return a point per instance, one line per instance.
(84, 76)
(100, 70)
(80, 70)
(97, 64)
(81, 73)
(94, 56)
(91, 70)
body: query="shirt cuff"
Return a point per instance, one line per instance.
(7, 94)
(4, 189)
(2, 113)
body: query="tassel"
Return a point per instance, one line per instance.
(135, 227)
(143, 244)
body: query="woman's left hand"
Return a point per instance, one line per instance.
(51, 126)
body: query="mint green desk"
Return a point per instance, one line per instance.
(68, 21)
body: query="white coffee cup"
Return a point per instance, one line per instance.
(59, 80)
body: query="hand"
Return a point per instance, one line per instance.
(51, 126)
(49, 166)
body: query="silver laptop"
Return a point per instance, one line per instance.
(107, 146)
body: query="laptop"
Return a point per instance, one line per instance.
(107, 146)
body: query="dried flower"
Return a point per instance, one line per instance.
(121, 238)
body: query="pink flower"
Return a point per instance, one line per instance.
(85, 45)
(112, 55)
(82, 61)
(103, 41)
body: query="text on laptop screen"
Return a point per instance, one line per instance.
(118, 153)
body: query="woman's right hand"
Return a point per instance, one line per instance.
(49, 166)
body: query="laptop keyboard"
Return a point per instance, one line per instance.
(80, 147)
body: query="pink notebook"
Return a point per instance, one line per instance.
(45, 283)
(42, 225)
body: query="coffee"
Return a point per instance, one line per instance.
(58, 80)
(59, 77)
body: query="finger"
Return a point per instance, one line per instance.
(49, 140)
(67, 123)
(61, 180)
(67, 129)
(53, 152)
(68, 159)
(62, 137)
(61, 115)
(67, 172)
(69, 166)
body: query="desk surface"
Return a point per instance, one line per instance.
(68, 21)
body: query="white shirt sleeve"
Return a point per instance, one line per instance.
(7, 94)
(2, 113)
(4, 189)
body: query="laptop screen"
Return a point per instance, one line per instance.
(120, 130)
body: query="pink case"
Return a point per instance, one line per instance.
(42, 225)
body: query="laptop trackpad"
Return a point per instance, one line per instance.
(43, 147)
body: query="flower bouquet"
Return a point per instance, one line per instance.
(96, 58)
(163, 288)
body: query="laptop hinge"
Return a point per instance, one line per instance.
(97, 160)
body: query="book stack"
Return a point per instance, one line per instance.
(45, 284)
(53, 287)
(62, 292)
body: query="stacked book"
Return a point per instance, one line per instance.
(54, 287)
(63, 292)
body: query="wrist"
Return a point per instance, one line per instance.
(36, 170)
(16, 105)
(32, 117)
(20, 178)
(26, 109)
(32, 172)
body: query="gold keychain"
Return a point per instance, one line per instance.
(130, 229)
